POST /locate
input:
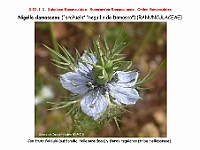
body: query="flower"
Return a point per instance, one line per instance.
(96, 97)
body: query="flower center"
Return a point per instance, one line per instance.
(98, 87)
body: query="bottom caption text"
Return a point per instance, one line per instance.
(124, 141)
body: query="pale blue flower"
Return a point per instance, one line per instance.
(95, 97)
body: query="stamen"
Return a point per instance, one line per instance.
(91, 106)
(74, 84)
(90, 85)
(105, 90)
(115, 78)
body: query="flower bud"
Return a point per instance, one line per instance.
(109, 69)
(102, 74)
(99, 74)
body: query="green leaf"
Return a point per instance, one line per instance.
(61, 67)
(142, 89)
(122, 65)
(62, 63)
(56, 53)
(56, 103)
(116, 122)
(69, 111)
(107, 50)
(78, 56)
(117, 39)
(67, 54)
(122, 44)
(65, 105)
(150, 76)
(118, 57)
(122, 48)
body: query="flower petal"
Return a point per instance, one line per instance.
(123, 95)
(74, 82)
(83, 70)
(86, 69)
(127, 79)
(94, 104)
(89, 57)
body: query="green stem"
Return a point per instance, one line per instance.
(53, 38)
(55, 43)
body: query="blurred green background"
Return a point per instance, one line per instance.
(147, 49)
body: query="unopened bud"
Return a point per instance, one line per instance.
(99, 74)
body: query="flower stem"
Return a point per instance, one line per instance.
(54, 41)
(55, 44)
